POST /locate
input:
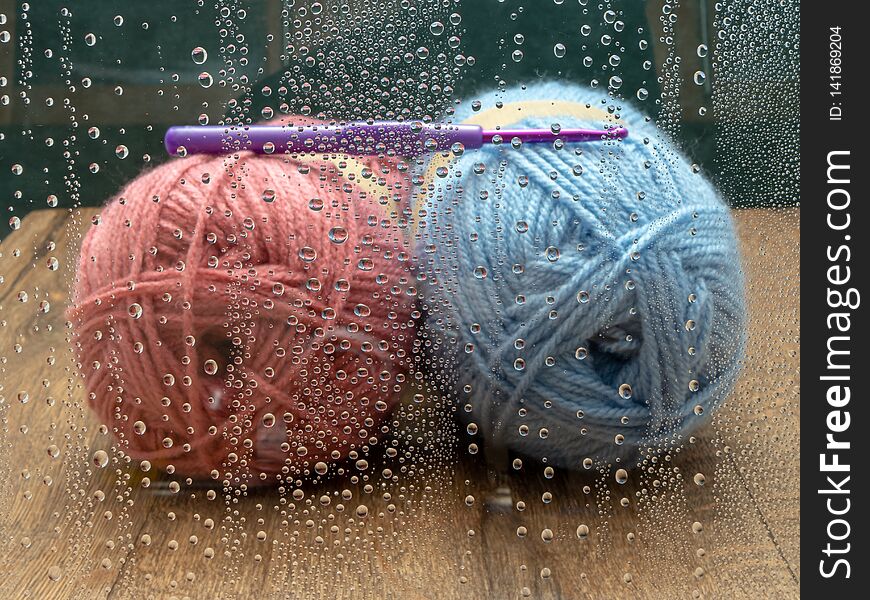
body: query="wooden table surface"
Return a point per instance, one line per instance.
(71, 530)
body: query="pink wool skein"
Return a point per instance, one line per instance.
(247, 317)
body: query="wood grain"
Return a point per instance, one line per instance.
(72, 530)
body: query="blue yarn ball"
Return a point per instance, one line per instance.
(585, 301)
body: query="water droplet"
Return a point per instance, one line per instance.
(100, 458)
(205, 79)
(199, 55)
(625, 391)
(621, 476)
(338, 235)
(307, 254)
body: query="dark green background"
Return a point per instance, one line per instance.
(143, 59)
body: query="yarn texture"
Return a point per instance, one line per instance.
(585, 302)
(247, 316)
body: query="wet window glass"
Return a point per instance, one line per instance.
(399, 298)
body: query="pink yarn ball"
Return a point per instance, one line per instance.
(249, 316)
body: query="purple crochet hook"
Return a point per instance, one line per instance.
(362, 138)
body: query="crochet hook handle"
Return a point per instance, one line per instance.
(364, 138)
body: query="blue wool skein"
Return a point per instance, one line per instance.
(584, 301)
